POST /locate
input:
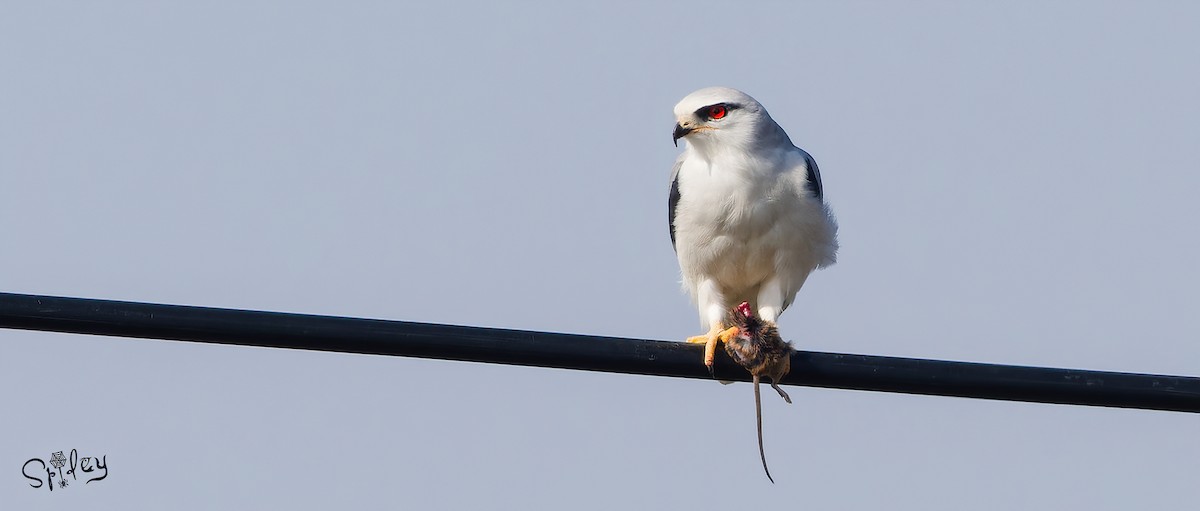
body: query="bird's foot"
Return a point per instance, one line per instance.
(709, 341)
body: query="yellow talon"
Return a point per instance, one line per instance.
(709, 341)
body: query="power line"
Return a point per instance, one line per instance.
(590, 353)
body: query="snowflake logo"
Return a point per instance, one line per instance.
(58, 460)
(62, 483)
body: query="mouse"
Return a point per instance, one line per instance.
(758, 348)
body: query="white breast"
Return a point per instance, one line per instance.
(741, 222)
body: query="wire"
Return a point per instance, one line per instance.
(590, 353)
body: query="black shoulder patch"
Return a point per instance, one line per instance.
(672, 201)
(814, 177)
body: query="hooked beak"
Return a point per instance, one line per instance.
(680, 132)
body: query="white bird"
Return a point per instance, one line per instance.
(747, 213)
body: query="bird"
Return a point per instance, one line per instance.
(747, 211)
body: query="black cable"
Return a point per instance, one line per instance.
(591, 353)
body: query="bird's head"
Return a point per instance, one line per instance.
(718, 116)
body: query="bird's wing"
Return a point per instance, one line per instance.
(814, 176)
(673, 198)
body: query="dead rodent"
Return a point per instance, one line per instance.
(758, 348)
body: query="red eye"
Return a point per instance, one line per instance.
(716, 111)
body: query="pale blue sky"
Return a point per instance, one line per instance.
(1015, 184)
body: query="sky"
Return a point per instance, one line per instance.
(1015, 183)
